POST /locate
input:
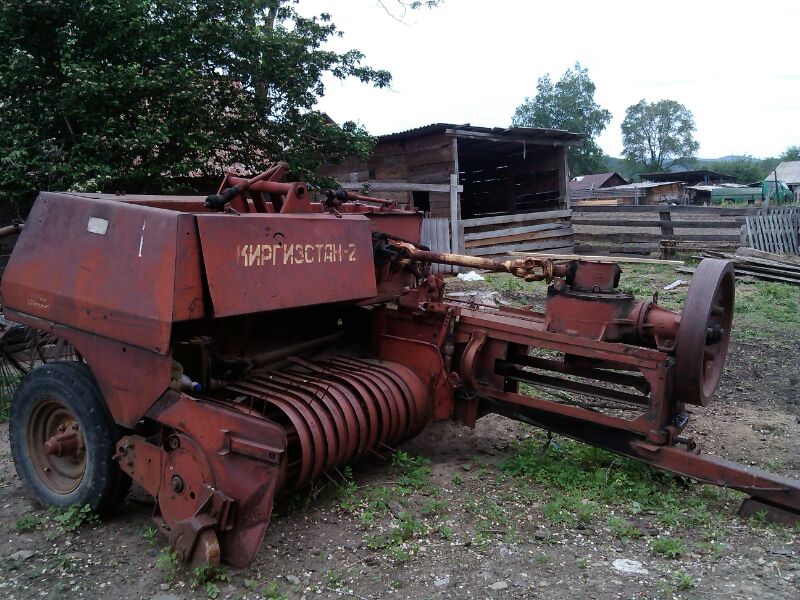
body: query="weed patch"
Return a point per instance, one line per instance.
(410, 472)
(71, 518)
(581, 479)
(206, 577)
(28, 523)
(168, 563)
(623, 529)
(668, 547)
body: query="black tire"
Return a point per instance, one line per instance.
(123, 482)
(59, 391)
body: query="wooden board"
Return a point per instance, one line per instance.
(625, 238)
(655, 208)
(436, 236)
(525, 237)
(491, 234)
(706, 224)
(621, 259)
(508, 219)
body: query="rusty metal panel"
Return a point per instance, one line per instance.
(404, 225)
(188, 302)
(262, 262)
(99, 266)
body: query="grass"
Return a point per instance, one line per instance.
(405, 508)
(149, 534)
(763, 307)
(69, 519)
(168, 563)
(207, 577)
(582, 483)
(28, 523)
(668, 547)
(272, 591)
(684, 581)
(624, 529)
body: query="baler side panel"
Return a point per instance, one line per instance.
(102, 267)
(263, 262)
(130, 379)
(189, 302)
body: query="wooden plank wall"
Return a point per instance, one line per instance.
(549, 231)
(427, 159)
(436, 236)
(648, 229)
(497, 183)
(777, 232)
(607, 197)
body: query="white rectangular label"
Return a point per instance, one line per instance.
(97, 225)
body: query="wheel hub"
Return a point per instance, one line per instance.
(58, 449)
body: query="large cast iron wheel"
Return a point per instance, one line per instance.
(704, 331)
(63, 438)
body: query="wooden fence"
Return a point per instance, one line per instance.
(436, 236)
(661, 228)
(606, 197)
(776, 232)
(549, 231)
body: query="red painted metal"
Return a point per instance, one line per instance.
(256, 341)
(255, 263)
(702, 341)
(336, 410)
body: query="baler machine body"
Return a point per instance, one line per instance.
(245, 351)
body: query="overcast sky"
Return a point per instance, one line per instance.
(735, 65)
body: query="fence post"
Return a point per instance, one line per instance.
(667, 232)
(454, 221)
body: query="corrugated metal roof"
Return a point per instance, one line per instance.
(683, 175)
(643, 185)
(529, 134)
(591, 182)
(788, 172)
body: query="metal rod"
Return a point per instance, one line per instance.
(271, 356)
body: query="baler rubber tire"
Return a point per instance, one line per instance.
(124, 481)
(69, 384)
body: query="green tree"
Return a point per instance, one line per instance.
(568, 104)
(658, 134)
(743, 169)
(139, 94)
(791, 153)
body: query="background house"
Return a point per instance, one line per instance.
(702, 176)
(595, 181)
(485, 187)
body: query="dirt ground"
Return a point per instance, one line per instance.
(447, 517)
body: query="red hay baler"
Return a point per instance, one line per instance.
(246, 344)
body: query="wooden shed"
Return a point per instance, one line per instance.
(489, 190)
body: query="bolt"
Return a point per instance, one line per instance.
(173, 443)
(177, 484)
